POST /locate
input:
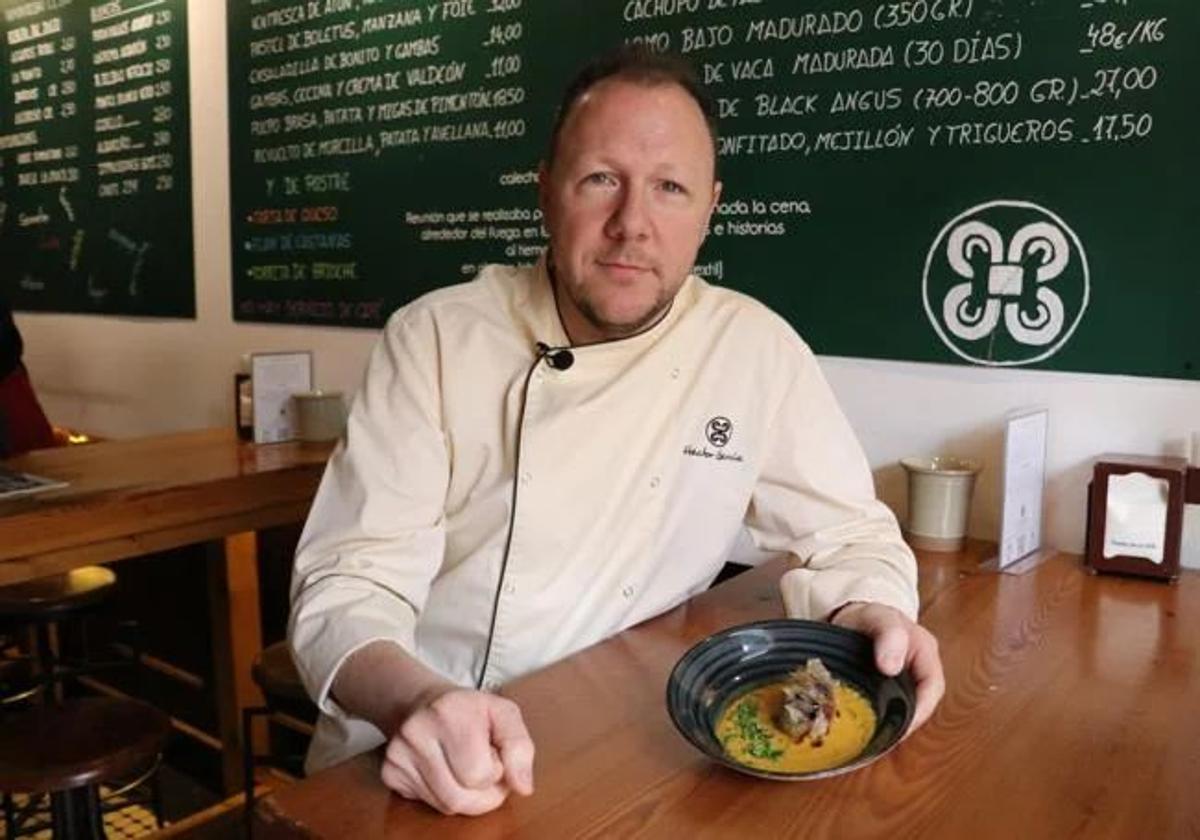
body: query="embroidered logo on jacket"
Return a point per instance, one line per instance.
(718, 432)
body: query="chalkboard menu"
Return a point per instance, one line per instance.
(995, 182)
(95, 183)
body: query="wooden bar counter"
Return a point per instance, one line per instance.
(129, 498)
(1071, 711)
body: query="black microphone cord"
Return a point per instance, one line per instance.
(544, 351)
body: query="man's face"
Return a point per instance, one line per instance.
(626, 202)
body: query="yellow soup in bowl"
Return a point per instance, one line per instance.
(747, 731)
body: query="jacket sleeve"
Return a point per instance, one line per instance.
(815, 499)
(375, 536)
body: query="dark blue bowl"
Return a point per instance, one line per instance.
(736, 660)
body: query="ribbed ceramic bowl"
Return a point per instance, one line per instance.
(736, 660)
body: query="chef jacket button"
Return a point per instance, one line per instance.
(675, 373)
(526, 478)
(654, 481)
(491, 685)
(510, 588)
(627, 591)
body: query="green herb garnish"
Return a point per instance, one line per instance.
(758, 740)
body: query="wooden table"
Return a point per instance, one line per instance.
(1072, 711)
(133, 497)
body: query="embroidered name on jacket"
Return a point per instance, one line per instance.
(718, 432)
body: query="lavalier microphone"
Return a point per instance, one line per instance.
(558, 358)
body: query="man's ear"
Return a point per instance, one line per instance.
(716, 198)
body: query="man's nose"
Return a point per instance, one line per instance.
(630, 218)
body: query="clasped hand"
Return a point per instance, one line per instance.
(461, 751)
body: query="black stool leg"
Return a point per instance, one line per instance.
(10, 817)
(248, 715)
(156, 799)
(47, 664)
(76, 814)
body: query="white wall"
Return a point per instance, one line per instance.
(904, 408)
(121, 377)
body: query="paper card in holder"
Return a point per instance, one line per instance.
(1026, 436)
(1135, 515)
(274, 377)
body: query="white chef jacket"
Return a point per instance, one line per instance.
(607, 492)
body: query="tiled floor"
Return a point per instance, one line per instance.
(181, 797)
(133, 820)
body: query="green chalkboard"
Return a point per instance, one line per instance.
(996, 182)
(95, 160)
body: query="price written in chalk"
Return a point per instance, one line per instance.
(503, 34)
(1118, 128)
(504, 65)
(1113, 82)
(1111, 36)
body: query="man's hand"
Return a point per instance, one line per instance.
(460, 751)
(900, 642)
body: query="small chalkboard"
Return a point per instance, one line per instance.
(95, 157)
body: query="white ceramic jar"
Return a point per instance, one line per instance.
(939, 501)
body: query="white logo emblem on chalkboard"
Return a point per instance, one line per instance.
(1006, 283)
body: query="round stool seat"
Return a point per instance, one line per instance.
(275, 673)
(56, 595)
(80, 742)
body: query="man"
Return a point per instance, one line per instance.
(501, 501)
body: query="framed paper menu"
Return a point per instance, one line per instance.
(274, 377)
(1024, 476)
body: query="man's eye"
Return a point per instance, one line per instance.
(600, 179)
(673, 187)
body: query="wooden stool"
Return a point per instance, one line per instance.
(42, 602)
(275, 673)
(56, 596)
(287, 704)
(69, 749)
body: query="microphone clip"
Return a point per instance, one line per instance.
(559, 358)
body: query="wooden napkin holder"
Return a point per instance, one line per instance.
(1183, 483)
